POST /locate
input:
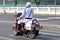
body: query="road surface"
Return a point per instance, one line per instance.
(50, 31)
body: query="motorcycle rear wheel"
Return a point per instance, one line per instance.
(31, 35)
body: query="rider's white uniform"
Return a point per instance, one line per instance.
(25, 14)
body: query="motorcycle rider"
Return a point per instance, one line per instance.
(27, 14)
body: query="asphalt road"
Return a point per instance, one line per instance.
(50, 31)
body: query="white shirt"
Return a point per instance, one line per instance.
(27, 12)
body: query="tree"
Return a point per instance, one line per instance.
(15, 2)
(37, 2)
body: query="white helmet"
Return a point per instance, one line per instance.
(28, 4)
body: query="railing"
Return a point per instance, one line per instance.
(38, 10)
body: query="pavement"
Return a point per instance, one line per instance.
(50, 31)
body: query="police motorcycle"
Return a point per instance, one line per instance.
(30, 29)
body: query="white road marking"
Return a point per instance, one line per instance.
(13, 21)
(50, 31)
(49, 34)
(6, 21)
(54, 17)
(42, 19)
(53, 25)
(39, 19)
(49, 18)
(5, 38)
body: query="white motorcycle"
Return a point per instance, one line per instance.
(30, 29)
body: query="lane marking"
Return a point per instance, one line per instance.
(58, 26)
(13, 21)
(42, 19)
(6, 38)
(50, 31)
(53, 25)
(49, 18)
(6, 21)
(39, 19)
(54, 17)
(49, 34)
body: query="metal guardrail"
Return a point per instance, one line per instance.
(39, 10)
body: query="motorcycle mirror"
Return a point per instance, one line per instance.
(34, 21)
(18, 14)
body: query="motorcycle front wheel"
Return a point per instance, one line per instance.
(15, 32)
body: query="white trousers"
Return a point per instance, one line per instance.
(24, 20)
